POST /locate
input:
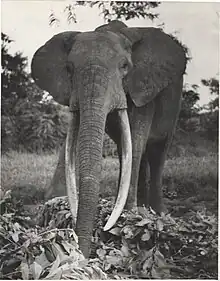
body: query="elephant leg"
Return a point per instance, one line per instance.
(161, 134)
(143, 182)
(57, 185)
(140, 122)
(156, 153)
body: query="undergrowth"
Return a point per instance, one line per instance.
(138, 246)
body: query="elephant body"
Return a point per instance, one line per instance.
(127, 82)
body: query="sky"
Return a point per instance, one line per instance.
(196, 24)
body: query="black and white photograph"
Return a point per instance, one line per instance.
(109, 140)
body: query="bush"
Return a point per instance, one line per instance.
(151, 246)
(209, 125)
(139, 246)
(34, 127)
(39, 253)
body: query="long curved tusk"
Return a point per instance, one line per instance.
(70, 163)
(125, 170)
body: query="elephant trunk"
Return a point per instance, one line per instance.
(91, 136)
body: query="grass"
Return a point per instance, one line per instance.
(26, 168)
(196, 171)
(188, 176)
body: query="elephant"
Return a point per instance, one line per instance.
(128, 83)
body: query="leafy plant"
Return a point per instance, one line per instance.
(111, 10)
(39, 253)
(146, 245)
(152, 246)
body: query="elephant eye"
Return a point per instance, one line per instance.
(124, 67)
(69, 67)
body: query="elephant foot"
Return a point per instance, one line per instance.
(131, 203)
(159, 208)
(131, 206)
(143, 211)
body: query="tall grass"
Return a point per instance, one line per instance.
(27, 168)
(187, 175)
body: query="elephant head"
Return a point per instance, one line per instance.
(93, 73)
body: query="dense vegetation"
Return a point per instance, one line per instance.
(139, 246)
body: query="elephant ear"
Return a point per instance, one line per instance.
(49, 66)
(158, 61)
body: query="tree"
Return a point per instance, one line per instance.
(213, 85)
(189, 109)
(17, 84)
(112, 10)
(210, 118)
(14, 77)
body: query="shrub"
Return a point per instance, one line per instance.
(34, 127)
(139, 246)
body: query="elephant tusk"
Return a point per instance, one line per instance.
(70, 163)
(125, 170)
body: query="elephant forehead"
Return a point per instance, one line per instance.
(97, 43)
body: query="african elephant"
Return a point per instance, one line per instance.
(127, 81)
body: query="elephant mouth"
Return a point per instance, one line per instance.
(126, 165)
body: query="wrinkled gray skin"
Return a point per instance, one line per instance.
(98, 73)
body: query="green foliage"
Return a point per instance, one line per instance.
(14, 77)
(191, 119)
(124, 10)
(210, 125)
(16, 82)
(188, 108)
(38, 253)
(34, 126)
(145, 245)
(151, 246)
(111, 10)
(210, 119)
(213, 85)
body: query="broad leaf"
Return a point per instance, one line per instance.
(24, 270)
(143, 222)
(146, 236)
(115, 231)
(36, 270)
(147, 264)
(101, 253)
(15, 236)
(160, 225)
